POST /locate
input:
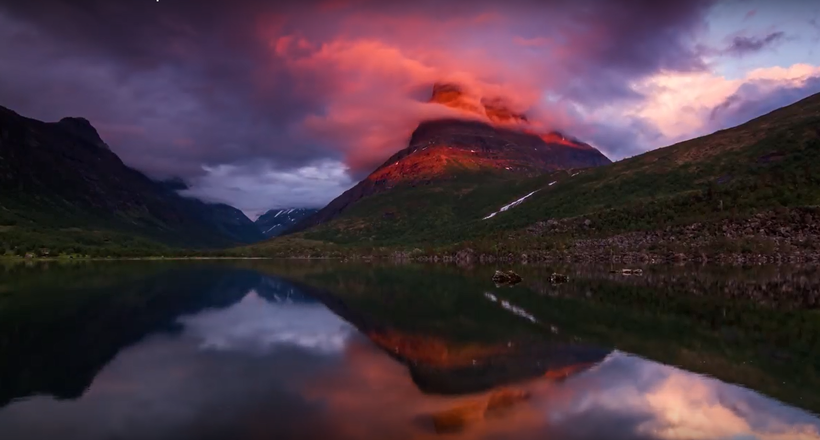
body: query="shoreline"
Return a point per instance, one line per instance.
(468, 256)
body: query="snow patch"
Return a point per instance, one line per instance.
(511, 205)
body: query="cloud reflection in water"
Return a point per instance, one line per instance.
(256, 325)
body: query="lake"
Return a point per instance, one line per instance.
(256, 349)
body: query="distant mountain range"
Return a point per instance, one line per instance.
(278, 221)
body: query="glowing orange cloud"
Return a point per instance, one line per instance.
(372, 65)
(377, 73)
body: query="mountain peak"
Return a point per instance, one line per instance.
(82, 128)
(449, 149)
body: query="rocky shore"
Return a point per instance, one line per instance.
(775, 237)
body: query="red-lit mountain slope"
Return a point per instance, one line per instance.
(502, 146)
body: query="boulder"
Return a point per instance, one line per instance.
(506, 277)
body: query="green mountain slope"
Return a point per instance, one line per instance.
(769, 164)
(62, 190)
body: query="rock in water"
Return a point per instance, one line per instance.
(506, 277)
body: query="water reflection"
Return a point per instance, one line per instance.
(275, 362)
(255, 325)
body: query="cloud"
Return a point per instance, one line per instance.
(293, 82)
(759, 97)
(742, 45)
(661, 402)
(258, 188)
(374, 67)
(683, 106)
(688, 407)
(256, 326)
(202, 89)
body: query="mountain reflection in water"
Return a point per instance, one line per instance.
(275, 362)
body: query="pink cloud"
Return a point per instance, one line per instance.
(377, 72)
(372, 65)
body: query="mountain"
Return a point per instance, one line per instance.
(62, 187)
(750, 188)
(447, 152)
(224, 219)
(277, 221)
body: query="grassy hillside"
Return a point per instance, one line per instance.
(63, 190)
(771, 163)
(417, 214)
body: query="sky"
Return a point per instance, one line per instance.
(275, 104)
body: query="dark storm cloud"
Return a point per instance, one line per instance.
(742, 45)
(171, 86)
(637, 39)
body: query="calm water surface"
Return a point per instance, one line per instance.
(288, 350)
